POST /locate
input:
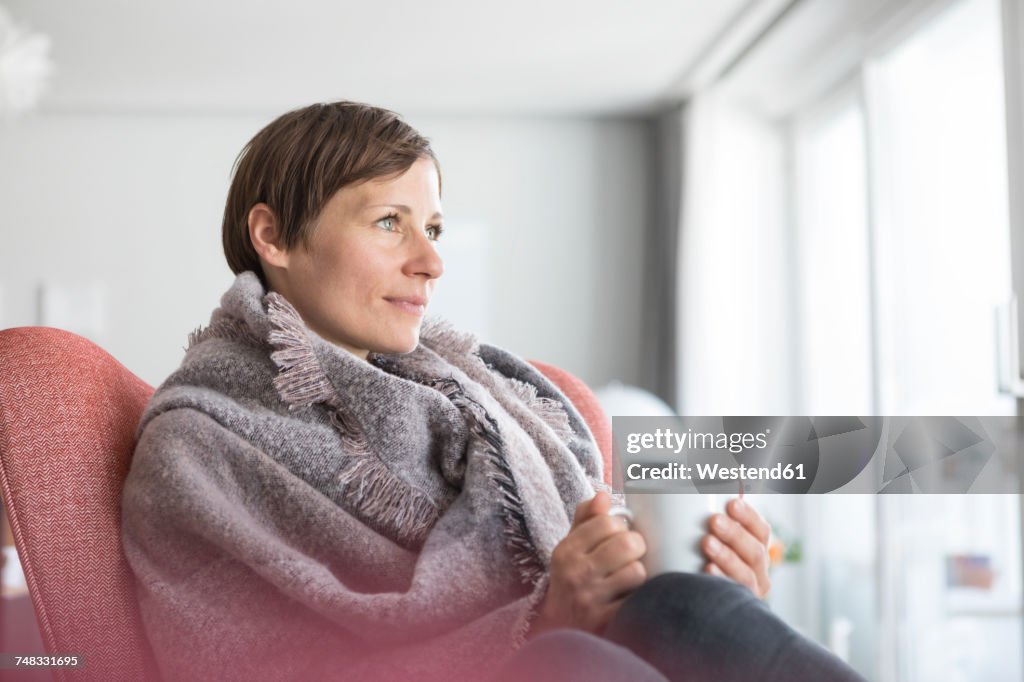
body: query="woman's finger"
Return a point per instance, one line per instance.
(623, 581)
(730, 564)
(585, 537)
(750, 518)
(587, 509)
(750, 549)
(617, 551)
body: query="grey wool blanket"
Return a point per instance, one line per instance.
(293, 512)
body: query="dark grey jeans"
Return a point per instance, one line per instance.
(682, 627)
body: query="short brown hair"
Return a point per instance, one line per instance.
(298, 162)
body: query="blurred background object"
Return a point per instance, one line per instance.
(622, 400)
(24, 65)
(733, 208)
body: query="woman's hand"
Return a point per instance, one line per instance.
(738, 546)
(593, 570)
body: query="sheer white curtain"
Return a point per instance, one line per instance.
(734, 355)
(834, 289)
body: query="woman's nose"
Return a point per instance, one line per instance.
(425, 260)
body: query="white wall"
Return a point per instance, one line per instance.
(134, 202)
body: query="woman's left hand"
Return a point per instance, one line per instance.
(737, 546)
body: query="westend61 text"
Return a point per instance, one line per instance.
(715, 472)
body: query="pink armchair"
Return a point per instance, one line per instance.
(68, 413)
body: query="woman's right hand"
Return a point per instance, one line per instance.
(593, 569)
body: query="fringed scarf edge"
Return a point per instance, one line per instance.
(367, 484)
(440, 332)
(518, 538)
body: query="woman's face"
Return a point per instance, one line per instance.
(368, 274)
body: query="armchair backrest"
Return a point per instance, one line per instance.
(68, 412)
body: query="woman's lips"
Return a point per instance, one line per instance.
(413, 305)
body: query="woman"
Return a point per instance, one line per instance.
(332, 487)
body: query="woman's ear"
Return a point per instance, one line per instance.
(265, 235)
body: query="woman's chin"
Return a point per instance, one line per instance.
(400, 346)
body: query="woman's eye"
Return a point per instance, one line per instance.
(388, 223)
(434, 232)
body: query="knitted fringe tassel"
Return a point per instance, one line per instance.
(381, 497)
(352, 437)
(520, 631)
(197, 335)
(300, 381)
(441, 332)
(517, 533)
(550, 411)
(230, 328)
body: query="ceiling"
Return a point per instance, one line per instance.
(451, 57)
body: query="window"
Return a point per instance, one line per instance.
(888, 131)
(941, 232)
